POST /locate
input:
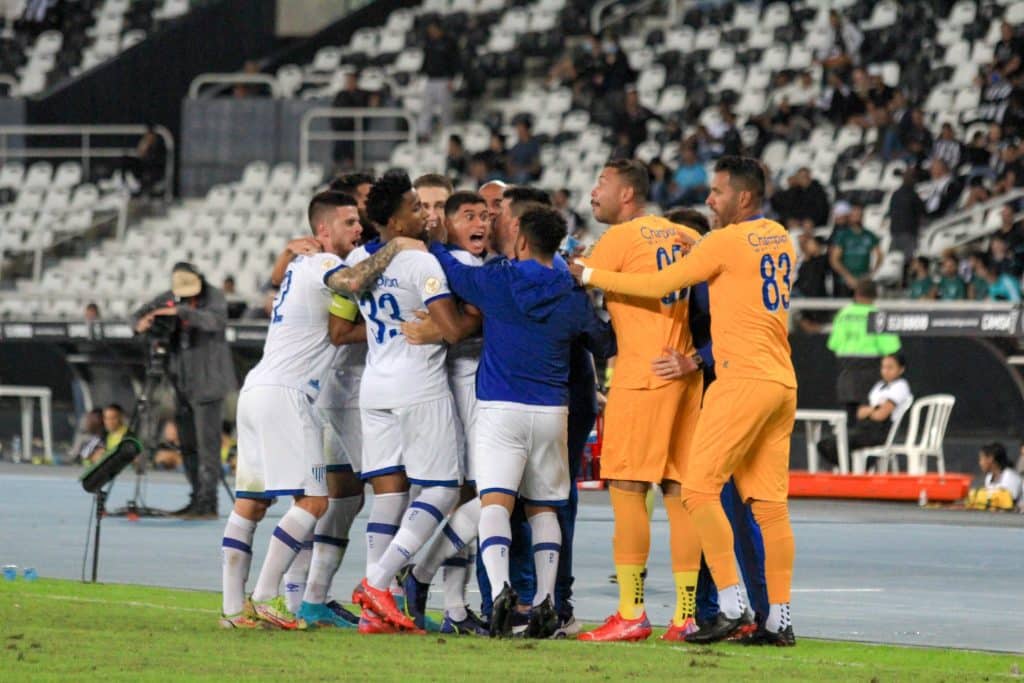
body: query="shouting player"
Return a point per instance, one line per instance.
(532, 314)
(280, 443)
(405, 403)
(649, 420)
(744, 428)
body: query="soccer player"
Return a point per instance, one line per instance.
(280, 446)
(405, 403)
(468, 224)
(433, 190)
(357, 185)
(745, 425)
(493, 192)
(532, 314)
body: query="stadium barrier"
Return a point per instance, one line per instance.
(234, 78)
(965, 226)
(360, 135)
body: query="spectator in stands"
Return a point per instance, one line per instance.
(1000, 287)
(842, 48)
(168, 451)
(1006, 64)
(922, 286)
(244, 90)
(632, 120)
(977, 286)
(662, 185)
(1001, 258)
(264, 311)
(114, 425)
(350, 96)
(947, 147)
(92, 312)
(236, 305)
(788, 123)
(524, 157)
(976, 154)
(441, 64)
(1010, 230)
(146, 167)
(838, 102)
(950, 287)
(496, 155)
(727, 133)
(803, 204)
(708, 148)
(1002, 489)
(887, 401)
(906, 211)
(945, 190)
(857, 349)
(455, 163)
(228, 447)
(560, 202)
(690, 178)
(915, 138)
(855, 253)
(90, 442)
(812, 277)
(228, 285)
(611, 73)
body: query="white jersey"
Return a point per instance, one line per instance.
(398, 373)
(341, 389)
(464, 357)
(298, 349)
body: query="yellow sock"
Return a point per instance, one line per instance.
(686, 596)
(649, 502)
(631, 590)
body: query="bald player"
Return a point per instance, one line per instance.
(493, 192)
(649, 418)
(744, 428)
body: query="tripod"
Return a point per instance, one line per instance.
(142, 423)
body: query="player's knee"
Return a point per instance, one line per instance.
(443, 498)
(770, 514)
(694, 500)
(251, 509)
(344, 485)
(314, 505)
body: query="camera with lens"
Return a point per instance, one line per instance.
(163, 329)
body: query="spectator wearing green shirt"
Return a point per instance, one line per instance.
(950, 287)
(858, 350)
(1001, 287)
(977, 288)
(855, 253)
(922, 286)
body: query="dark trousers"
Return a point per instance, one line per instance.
(521, 566)
(199, 427)
(863, 434)
(749, 548)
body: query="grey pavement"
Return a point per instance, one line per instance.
(874, 572)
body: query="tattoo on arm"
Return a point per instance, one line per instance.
(361, 276)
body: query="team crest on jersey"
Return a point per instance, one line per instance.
(432, 286)
(327, 264)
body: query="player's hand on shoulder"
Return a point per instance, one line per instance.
(410, 244)
(304, 246)
(423, 330)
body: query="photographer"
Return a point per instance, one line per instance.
(188, 321)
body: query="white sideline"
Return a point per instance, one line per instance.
(128, 603)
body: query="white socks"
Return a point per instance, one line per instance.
(382, 525)
(456, 569)
(779, 617)
(547, 545)
(459, 531)
(495, 539)
(284, 546)
(295, 577)
(330, 539)
(236, 557)
(421, 520)
(731, 602)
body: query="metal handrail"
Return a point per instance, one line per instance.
(829, 304)
(232, 79)
(958, 227)
(10, 82)
(359, 135)
(86, 151)
(596, 25)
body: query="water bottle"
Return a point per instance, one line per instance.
(31, 574)
(922, 498)
(10, 572)
(16, 449)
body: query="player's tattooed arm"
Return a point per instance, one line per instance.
(360, 277)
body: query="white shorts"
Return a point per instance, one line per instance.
(466, 408)
(280, 445)
(523, 450)
(343, 439)
(418, 440)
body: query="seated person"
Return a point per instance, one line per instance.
(228, 447)
(168, 451)
(887, 401)
(90, 443)
(115, 428)
(1002, 489)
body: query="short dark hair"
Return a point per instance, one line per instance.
(325, 201)
(635, 174)
(899, 357)
(923, 261)
(745, 173)
(691, 218)
(456, 138)
(523, 193)
(998, 452)
(114, 406)
(386, 196)
(866, 288)
(93, 305)
(350, 182)
(434, 180)
(544, 228)
(460, 199)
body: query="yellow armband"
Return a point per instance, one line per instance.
(343, 308)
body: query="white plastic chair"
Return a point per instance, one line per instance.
(924, 438)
